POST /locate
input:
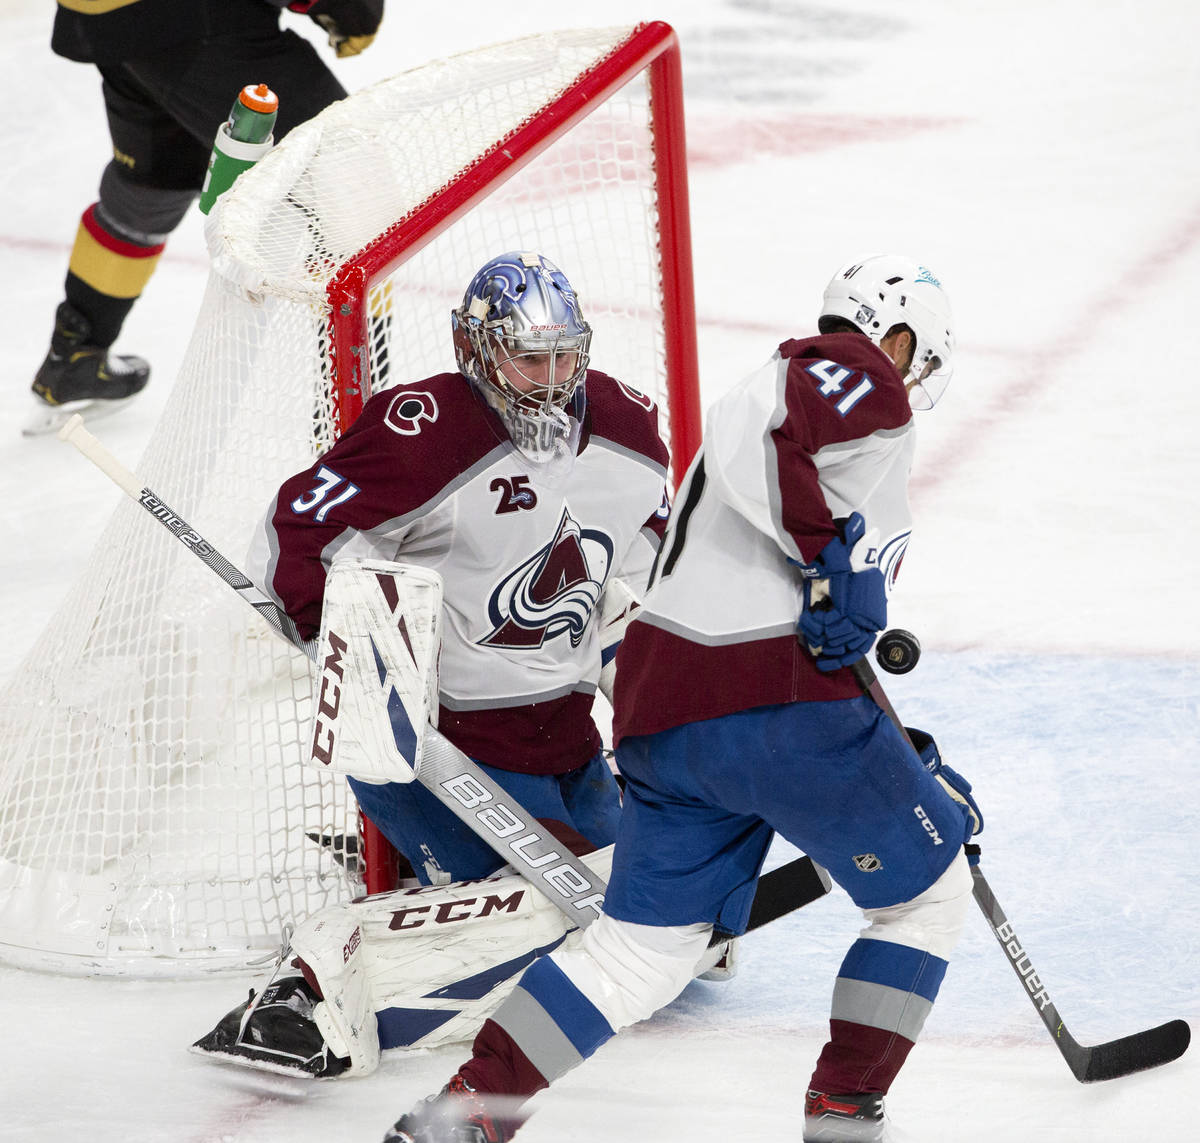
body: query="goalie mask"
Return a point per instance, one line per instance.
(880, 292)
(520, 338)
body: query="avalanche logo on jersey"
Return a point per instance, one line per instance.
(408, 409)
(554, 591)
(891, 556)
(638, 398)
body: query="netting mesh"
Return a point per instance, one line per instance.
(156, 803)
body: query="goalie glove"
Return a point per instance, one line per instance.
(350, 24)
(954, 783)
(843, 608)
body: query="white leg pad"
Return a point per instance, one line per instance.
(330, 943)
(419, 946)
(630, 971)
(933, 920)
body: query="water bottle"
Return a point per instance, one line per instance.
(241, 140)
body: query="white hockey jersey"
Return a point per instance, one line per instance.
(822, 430)
(427, 475)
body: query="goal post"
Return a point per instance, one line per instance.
(158, 816)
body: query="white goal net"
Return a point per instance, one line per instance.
(157, 812)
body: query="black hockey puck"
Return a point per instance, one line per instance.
(898, 651)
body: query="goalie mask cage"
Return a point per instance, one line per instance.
(157, 805)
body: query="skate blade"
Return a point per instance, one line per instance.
(47, 419)
(257, 1065)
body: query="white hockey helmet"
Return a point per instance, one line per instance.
(520, 338)
(876, 294)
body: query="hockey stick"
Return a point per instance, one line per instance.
(74, 433)
(780, 891)
(790, 886)
(1116, 1058)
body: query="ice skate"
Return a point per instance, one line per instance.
(275, 1032)
(80, 378)
(457, 1114)
(855, 1118)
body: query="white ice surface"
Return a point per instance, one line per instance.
(1043, 158)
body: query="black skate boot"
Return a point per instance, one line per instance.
(80, 378)
(844, 1118)
(275, 1032)
(457, 1114)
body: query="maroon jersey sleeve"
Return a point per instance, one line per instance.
(840, 388)
(398, 458)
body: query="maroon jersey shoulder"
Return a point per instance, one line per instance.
(625, 417)
(843, 387)
(411, 441)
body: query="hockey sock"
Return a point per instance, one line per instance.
(106, 274)
(883, 994)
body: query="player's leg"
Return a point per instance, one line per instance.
(892, 838)
(680, 866)
(163, 113)
(144, 192)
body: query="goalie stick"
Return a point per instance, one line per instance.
(1137, 1052)
(779, 891)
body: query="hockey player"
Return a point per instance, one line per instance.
(734, 725)
(527, 481)
(170, 72)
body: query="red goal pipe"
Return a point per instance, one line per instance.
(675, 255)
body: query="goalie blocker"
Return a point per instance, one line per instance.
(424, 967)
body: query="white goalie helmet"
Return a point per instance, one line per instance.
(520, 338)
(882, 291)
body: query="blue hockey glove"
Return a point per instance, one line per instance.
(843, 609)
(956, 785)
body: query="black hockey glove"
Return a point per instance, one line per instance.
(956, 785)
(350, 24)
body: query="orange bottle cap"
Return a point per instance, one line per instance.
(259, 97)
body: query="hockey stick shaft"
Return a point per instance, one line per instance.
(453, 778)
(74, 433)
(1147, 1049)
